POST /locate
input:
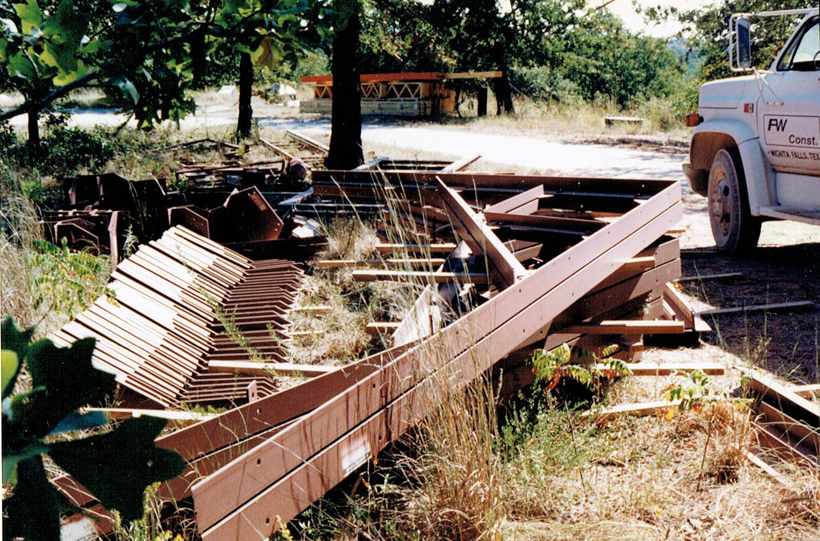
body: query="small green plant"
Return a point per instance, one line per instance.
(697, 395)
(116, 466)
(694, 390)
(552, 366)
(68, 280)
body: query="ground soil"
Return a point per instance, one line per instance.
(783, 342)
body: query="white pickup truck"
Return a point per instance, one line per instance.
(755, 151)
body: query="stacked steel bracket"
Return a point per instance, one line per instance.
(179, 303)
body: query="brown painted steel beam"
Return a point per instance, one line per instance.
(506, 269)
(468, 347)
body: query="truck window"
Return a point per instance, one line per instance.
(803, 51)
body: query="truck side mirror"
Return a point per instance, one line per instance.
(744, 43)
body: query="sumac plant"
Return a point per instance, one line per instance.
(552, 366)
(115, 465)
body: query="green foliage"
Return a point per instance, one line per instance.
(65, 150)
(694, 390)
(73, 149)
(43, 48)
(147, 53)
(543, 83)
(115, 466)
(540, 438)
(550, 49)
(68, 281)
(707, 28)
(551, 366)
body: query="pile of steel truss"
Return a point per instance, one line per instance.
(164, 333)
(556, 256)
(526, 262)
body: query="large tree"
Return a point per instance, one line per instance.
(554, 49)
(346, 123)
(707, 30)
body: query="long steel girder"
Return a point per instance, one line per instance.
(290, 470)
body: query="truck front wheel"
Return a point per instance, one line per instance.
(734, 228)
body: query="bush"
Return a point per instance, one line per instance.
(543, 83)
(660, 113)
(72, 149)
(64, 150)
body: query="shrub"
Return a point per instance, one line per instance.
(543, 83)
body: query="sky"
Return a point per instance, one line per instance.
(634, 21)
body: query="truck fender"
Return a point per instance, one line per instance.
(760, 177)
(714, 135)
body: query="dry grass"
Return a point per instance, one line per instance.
(19, 230)
(42, 287)
(546, 474)
(341, 334)
(560, 120)
(650, 479)
(454, 470)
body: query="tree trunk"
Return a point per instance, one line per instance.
(482, 101)
(346, 123)
(199, 62)
(33, 96)
(503, 95)
(243, 123)
(33, 134)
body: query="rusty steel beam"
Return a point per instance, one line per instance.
(291, 471)
(506, 270)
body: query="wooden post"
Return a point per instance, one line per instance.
(482, 101)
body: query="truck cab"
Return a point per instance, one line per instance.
(755, 150)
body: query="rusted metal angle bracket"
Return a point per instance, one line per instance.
(223, 435)
(785, 399)
(307, 141)
(493, 330)
(628, 327)
(481, 240)
(419, 276)
(458, 165)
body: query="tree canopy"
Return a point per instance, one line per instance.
(707, 30)
(554, 49)
(148, 51)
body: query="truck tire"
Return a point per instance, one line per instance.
(735, 230)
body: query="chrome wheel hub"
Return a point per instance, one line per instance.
(721, 206)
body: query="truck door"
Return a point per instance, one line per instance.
(790, 131)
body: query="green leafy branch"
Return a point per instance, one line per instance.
(115, 466)
(68, 280)
(552, 366)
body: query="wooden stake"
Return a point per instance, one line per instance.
(800, 306)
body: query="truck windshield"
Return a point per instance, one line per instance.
(803, 53)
